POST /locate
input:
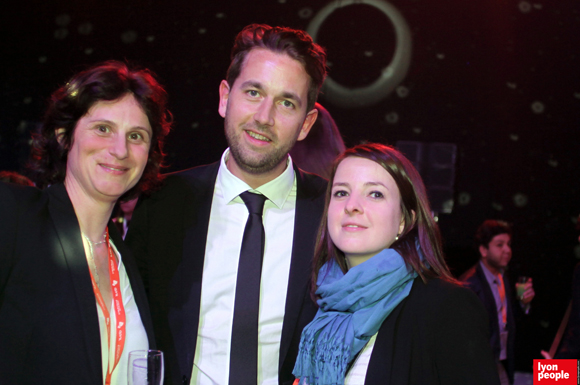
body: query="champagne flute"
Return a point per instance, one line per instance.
(145, 367)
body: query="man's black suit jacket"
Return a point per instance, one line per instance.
(49, 326)
(168, 235)
(476, 281)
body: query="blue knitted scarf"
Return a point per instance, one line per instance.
(353, 307)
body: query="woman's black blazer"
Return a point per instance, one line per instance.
(49, 328)
(437, 335)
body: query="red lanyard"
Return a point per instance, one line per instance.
(502, 299)
(117, 307)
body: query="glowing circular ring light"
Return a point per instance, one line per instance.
(391, 75)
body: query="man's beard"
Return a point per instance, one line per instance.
(253, 162)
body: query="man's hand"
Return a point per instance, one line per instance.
(529, 293)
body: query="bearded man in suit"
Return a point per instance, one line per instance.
(188, 236)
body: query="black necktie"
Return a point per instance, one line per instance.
(244, 351)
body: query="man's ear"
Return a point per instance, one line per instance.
(483, 251)
(59, 134)
(311, 117)
(224, 96)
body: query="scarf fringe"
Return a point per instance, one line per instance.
(328, 356)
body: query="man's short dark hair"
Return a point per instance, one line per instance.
(294, 43)
(489, 229)
(106, 81)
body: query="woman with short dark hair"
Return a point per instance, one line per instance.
(72, 304)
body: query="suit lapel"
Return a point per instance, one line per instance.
(491, 309)
(186, 285)
(487, 293)
(387, 349)
(306, 222)
(69, 235)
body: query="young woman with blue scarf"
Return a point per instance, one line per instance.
(390, 311)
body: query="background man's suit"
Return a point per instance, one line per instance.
(49, 325)
(476, 281)
(570, 345)
(168, 235)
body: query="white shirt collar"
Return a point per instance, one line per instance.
(276, 190)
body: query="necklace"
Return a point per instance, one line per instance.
(92, 258)
(95, 243)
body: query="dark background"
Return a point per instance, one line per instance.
(499, 79)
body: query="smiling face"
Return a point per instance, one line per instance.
(109, 150)
(364, 214)
(498, 253)
(265, 113)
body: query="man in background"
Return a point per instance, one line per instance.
(488, 280)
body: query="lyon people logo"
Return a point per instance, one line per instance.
(560, 372)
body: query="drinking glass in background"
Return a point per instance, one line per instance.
(521, 286)
(145, 367)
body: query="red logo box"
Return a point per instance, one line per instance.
(556, 372)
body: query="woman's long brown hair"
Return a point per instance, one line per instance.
(420, 227)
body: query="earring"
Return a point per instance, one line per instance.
(397, 237)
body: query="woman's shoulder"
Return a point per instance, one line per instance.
(438, 292)
(437, 305)
(437, 284)
(14, 197)
(15, 202)
(17, 189)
